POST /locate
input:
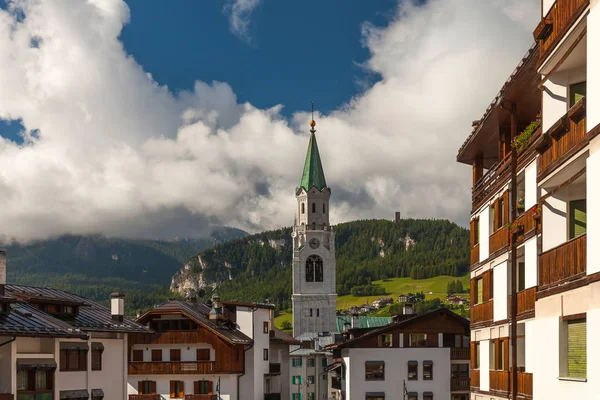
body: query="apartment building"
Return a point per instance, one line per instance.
(308, 361)
(534, 281)
(225, 350)
(424, 357)
(56, 345)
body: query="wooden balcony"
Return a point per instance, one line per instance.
(170, 368)
(524, 384)
(475, 378)
(460, 353)
(490, 183)
(483, 312)
(499, 239)
(563, 263)
(475, 254)
(460, 384)
(529, 223)
(565, 138)
(144, 397)
(499, 381)
(525, 303)
(557, 22)
(200, 397)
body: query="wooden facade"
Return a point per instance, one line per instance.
(173, 367)
(525, 384)
(529, 223)
(554, 25)
(525, 303)
(490, 183)
(459, 353)
(462, 383)
(475, 378)
(563, 263)
(144, 397)
(483, 312)
(565, 138)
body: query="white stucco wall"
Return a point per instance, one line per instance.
(530, 338)
(6, 367)
(554, 100)
(593, 66)
(531, 188)
(501, 291)
(484, 234)
(484, 365)
(111, 378)
(396, 371)
(531, 261)
(593, 198)
(554, 228)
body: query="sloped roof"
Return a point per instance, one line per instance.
(92, 316)
(281, 337)
(363, 321)
(199, 313)
(25, 320)
(313, 174)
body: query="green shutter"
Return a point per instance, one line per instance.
(577, 218)
(300, 362)
(577, 349)
(293, 362)
(479, 291)
(576, 93)
(293, 379)
(521, 276)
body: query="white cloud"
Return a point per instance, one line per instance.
(119, 154)
(240, 12)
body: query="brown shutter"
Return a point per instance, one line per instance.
(140, 386)
(496, 224)
(63, 360)
(181, 389)
(83, 360)
(506, 357)
(472, 233)
(473, 291)
(172, 388)
(210, 387)
(472, 354)
(138, 355)
(506, 207)
(196, 387)
(175, 355)
(157, 355)
(153, 387)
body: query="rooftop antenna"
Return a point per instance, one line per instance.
(312, 118)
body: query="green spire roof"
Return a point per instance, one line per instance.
(313, 170)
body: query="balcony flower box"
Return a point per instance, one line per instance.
(536, 212)
(515, 229)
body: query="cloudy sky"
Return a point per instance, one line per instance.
(155, 120)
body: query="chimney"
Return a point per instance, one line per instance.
(117, 306)
(316, 345)
(2, 271)
(354, 323)
(407, 309)
(216, 312)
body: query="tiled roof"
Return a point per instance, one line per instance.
(363, 321)
(92, 316)
(251, 305)
(282, 338)
(25, 320)
(199, 313)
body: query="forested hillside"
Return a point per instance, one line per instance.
(259, 266)
(95, 266)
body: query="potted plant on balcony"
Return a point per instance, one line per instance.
(521, 204)
(514, 228)
(521, 142)
(536, 212)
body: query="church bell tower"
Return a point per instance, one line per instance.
(313, 264)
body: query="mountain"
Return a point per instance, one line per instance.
(95, 266)
(258, 266)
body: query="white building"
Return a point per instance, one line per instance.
(198, 351)
(56, 345)
(530, 253)
(427, 354)
(313, 265)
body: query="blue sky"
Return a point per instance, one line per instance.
(295, 51)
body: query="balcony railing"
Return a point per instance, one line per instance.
(201, 397)
(566, 137)
(144, 397)
(524, 383)
(499, 381)
(475, 254)
(482, 312)
(462, 383)
(475, 378)
(168, 367)
(525, 303)
(459, 353)
(496, 177)
(499, 239)
(557, 22)
(528, 222)
(563, 263)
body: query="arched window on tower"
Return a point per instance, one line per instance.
(323, 208)
(319, 269)
(314, 207)
(314, 269)
(302, 208)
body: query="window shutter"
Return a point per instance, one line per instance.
(63, 360)
(472, 233)
(83, 360)
(473, 297)
(577, 218)
(293, 362)
(472, 354)
(196, 387)
(140, 387)
(293, 379)
(577, 348)
(210, 387)
(153, 385)
(181, 389)
(172, 388)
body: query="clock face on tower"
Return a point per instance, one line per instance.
(314, 243)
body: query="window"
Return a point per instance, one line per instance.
(384, 340)
(203, 355)
(176, 389)
(460, 370)
(311, 312)
(413, 370)
(35, 379)
(265, 326)
(314, 269)
(156, 355)
(266, 354)
(296, 396)
(147, 387)
(577, 92)
(521, 282)
(500, 217)
(302, 206)
(577, 348)
(73, 360)
(460, 397)
(427, 396)
(97, 357)
(577, 218)
(477, 355)
(374, 371)
(324, 362)
(317, 312)
(310, 379)
(418, 340)
(492, 355)
(319, 270)
(185, 325)
(297, 380)
(267, 385)
(479, 283)
(427, 370)
(296, 362)
(413, 396)
(138, 355)
(310, 269)
(323, 208)
(500, 355)
(311, 362)
(175, 355)
(203, 387)
(311, 396)
(314, 208)
(476, 232)
(492, 230)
